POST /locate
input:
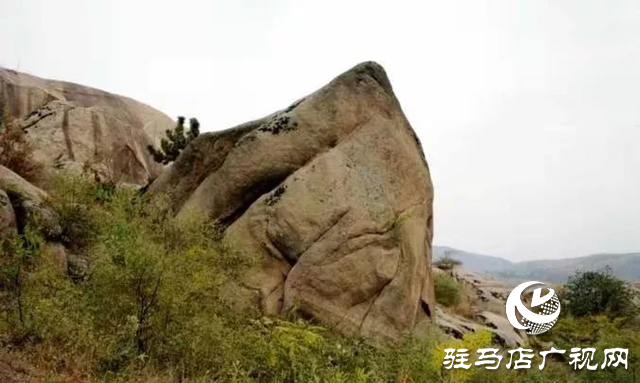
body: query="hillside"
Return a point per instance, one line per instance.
(624, 266)
(293, 248)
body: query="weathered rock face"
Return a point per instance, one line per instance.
(333, 196)
(13, 183)
(72, 125)
(26, 200)
(8, 224)
(487, 312)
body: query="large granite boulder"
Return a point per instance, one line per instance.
(27, 201)
(332, 196)
(72, 126)
(8, 224)
(14, 184)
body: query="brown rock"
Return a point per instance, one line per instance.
(333, 197)
(72, 125)
(486, 288)
(13, 183)
(503, 333)
(506, 334)
(27, 201)
(77, 267)
(488, 298)
(7, 216)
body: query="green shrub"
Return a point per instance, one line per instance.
(75, 199)
(595, 292)
(447, 290)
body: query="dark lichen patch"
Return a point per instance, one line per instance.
(281, 123)
(275, 196)
(293, 106)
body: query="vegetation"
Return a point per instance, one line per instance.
(595, 293)
(15, 150)
(151, 306)
(447, 263)
(447, 290)
(175, 142)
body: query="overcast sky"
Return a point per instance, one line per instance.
(528, 111)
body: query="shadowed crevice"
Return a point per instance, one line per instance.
(259, 189)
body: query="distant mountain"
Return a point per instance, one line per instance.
(624, 266)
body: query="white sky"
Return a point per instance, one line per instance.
(528, 111)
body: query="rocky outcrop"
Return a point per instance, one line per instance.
(26, 201)
(13, 183)
(22, 202)
(332, 196)
(8, 224)
(488, 290)
(71, 126)
(503, 333)
(487, 312)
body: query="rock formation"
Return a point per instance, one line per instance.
(332, 196)
(8, 223)
(72, 125)
(19, 200)
(489, 297)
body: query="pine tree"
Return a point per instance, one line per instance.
(175, 142)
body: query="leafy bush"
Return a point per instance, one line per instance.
(15, 150)
(595, 292)
(74, 201)
(447, 290)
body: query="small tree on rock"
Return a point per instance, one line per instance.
(175, 142)
(447, 263)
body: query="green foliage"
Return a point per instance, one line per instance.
(175, 142)
(74, 200)
(152, 308)
(16, 255)
(594, 293)
(15, 150)
(447, 290)
(600, 332)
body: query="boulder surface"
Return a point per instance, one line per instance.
(21, 200)
(333, 198)
(71, 126)
(486, 312)
(8, 224)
